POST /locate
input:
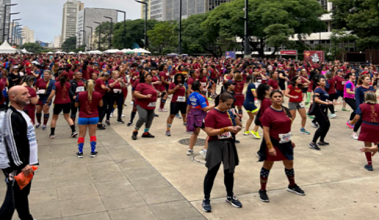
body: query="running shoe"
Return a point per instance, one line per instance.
(74, 134)
(368, 167)
(107, 122)
(134, 135)
(314, 124)
(79, 154)
(331, 116)
(263, 196)
(122, 116)
(129, 124)
(93, 154)
(209, 99)
(302, 130)
(345, 110)
(323, 143)
(312, 117)
(163, 110)
(43, 127)
(313, 146)
(52, 136)
(214, 95)
(168, 133)
(178, 116)
(354, 136)
(255, 134)
(233, 201)
(185, 123)
(120, 122)
(38, 125)
(203, 153)
(147, 135)
(155, 115)
(100, 127)
(189, 152)
(349, 125)
(246, 133)
(111, 115)
(206, 205)
(131, 102)
(237, 141)
(296, 189)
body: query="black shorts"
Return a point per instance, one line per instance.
(59, 107)
(175, 107)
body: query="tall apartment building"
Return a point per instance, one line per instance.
(87, 18)
(69, 18)
(164, 10)
(57, 42)
(6, 28)
(27, 35)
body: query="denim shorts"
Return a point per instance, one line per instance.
(88, 121)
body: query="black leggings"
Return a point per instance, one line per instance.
(74, 110)
(353, 105)
(119, 99)
(357, 125)
(103, 110)
(331, 98)
(210, 178)
(321, 116)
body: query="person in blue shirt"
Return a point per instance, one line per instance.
(363, 86)
(249, 105)
(197, 107)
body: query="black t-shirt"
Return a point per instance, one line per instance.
(16, 79)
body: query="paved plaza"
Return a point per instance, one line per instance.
(154, 179)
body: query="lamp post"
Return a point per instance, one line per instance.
(14, 33)
(180, 28)
(84, 36)
(5, 18)
(145, 33)
(124, 32)
(90, 44)
(9, 25)
(246, 43)
(13, 29)
(99, 31)
(110, 33)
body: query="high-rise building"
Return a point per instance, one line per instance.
(6, 28)
(14, 33)
(57, 42)
(87, 18)
(163, 10)
(69, 18)
(27, 35)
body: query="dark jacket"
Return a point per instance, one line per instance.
(74, 85)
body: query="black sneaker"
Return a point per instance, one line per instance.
(313, 146)
(107, 122)
(207, 205)
(147, 135)
(38, 125)
(323, 143)
(129, 124)
(100, 127)
(314, 124)
(134, 136)
(233, 201)
(74, 134)
(263, 196)
(79, 154)
(368, 167)
(93, 154)
(155, 115)
(120, 122)
(296, 189)
(237, 141)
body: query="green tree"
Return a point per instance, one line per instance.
(299, 17)
(163, 38)
(340, 38)
(69, 44)
(33, 47)
(105, 28)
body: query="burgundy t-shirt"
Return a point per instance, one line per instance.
(273, 84)
(216, 119)
(264, 105)
(165, 76)
(98, 88)
(32, 93)
(116, 87)
(179, 95)
(87, 74)
(80, 86)
(146, 89)
(277, 121)
(62, 95)
(332, 88)
(340, 82)
(239, 87)
(88, 109)
(42, 85)
(295, 92)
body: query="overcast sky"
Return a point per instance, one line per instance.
(45, 16)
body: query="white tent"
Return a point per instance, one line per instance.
(95, 52)
(50, 53)
(140, 50)
(6, 48)
(113, 51)
(60, 52)
(71, 52)
(25, 51)
(127, 50)
(81, 52)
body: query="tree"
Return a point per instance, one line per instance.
(341, 37)
(104, 36)
(299, 17)
(69, 44)
(33, 47)
(163, 38)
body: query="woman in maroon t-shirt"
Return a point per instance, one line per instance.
(88, 101)
(221, 148)
(273, 80)
(146, 99)
(178, 101)
(238, 91)
(30, 109)
(103, 90)
(117, 85)
(62, 101)
(277, 144)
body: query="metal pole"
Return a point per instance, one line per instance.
(110, 34)
(4, 17)
(145, 46)
(124, 32)
(11, 32)
(99, 33)
(13, 39)
(90, 44)
(180, 28)
(246, 45)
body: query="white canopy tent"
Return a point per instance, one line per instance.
(81, 52)
(60, 52)
(113, 51)
(127, 51)
(25, 51)
(95, 52)
(140, 50)
(49, 53)
(71, 52)
(6, 48)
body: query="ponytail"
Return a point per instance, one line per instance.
(90, 88)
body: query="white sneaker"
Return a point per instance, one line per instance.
(203, 153)
(123, 116)
(189, 152)
(111, 116)
(132, 103)
(354, 136)
(332, 116)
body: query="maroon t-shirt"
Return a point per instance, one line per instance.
(87, 74)
(277, 121)
(32, 93)
(116, 88)
(264, 105)
(216, 119)
(273, 84)
(156, 79)
(80, 86)
(179, 95)
(340, 82)
(146, 89)
(135, 84)
(165, 76)
(239, 87)
(98, 88)
(88, 109)
(62, 95)
(295, 92)
(332, 88)
(42, 84)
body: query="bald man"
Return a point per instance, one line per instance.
(21, 144)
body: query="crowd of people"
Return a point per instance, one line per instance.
(93, 86)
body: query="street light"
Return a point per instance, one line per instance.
(145, 37)
(90, 44)
(99, 31)
(14, 32)
(5, 18)
(9, 26)
(84, 36)
(110, 33)
(124, 32)
(246, 44)
(13, 28)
